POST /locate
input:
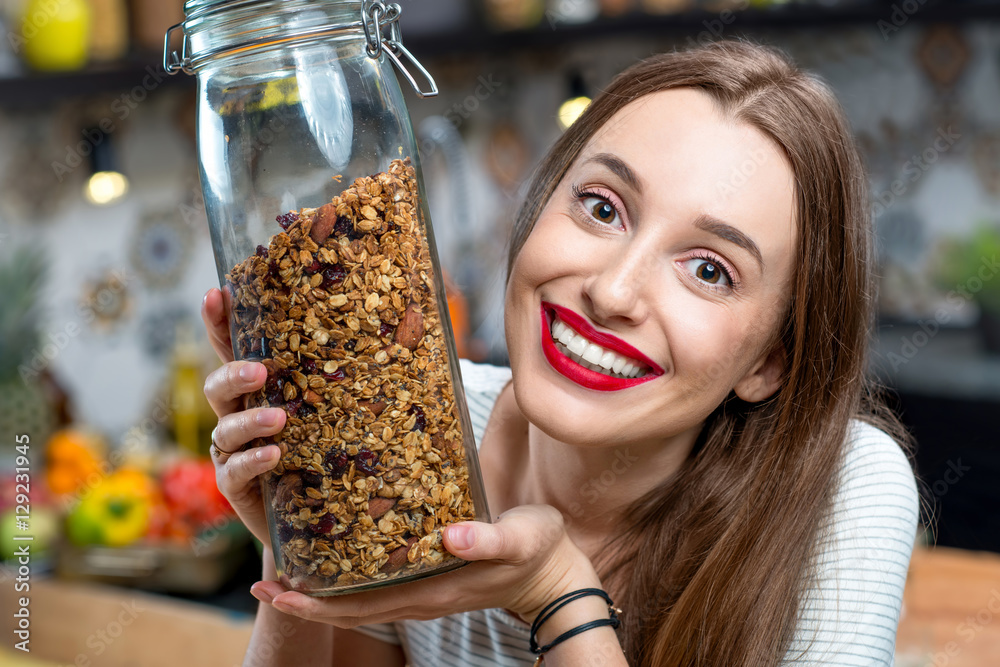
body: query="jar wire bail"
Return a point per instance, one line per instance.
(375, 17)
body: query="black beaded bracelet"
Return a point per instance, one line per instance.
(561, 602)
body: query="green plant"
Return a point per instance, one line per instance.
(971, 268)
(21, 276)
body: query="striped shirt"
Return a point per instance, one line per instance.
(849, 613)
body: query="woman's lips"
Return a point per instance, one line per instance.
(581, 326)
(627, 359)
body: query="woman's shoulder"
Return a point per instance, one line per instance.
(483, 378)
(875, 465)
(482, 384)
(852, 603)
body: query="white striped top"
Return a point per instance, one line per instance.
(849, 613)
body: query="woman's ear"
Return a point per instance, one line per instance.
(764, 378)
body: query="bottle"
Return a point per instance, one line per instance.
(326, 257)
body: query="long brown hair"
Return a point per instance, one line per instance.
(715, 558)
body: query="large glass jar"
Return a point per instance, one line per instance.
(326, 258)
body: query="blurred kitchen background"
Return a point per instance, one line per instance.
(105, 255)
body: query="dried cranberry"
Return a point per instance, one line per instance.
(385, 330)
(274, 389)
(309, 366)
(421, 423)
(293, 407)
(310, 478)
(324, 525)
(343, 227)
(285, 532)
(286, 219)
(365, 461)
(332, 275)
(336, 375)
(261, 251)
(273, 269)
(337, 462)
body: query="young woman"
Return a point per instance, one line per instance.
(703, 228)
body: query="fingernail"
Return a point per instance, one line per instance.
(461, 537)
(263, 453)
(261, 594)
(281, 605)
(248, 372)
(268, 417)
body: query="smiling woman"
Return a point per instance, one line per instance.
(686, 426)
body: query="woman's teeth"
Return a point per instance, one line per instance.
(592, 356)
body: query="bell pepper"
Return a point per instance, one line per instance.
(190, 490)
(116, 512)
(73, 459)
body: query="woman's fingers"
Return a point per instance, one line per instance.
(225, 386)
(234, 475)
(213, 314)
(237, 429)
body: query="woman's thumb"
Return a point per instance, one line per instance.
(520, 533)
(473, 540)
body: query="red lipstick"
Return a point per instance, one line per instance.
(580, 374)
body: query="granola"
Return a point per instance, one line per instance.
(341, 308)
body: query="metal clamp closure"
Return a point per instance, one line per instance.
(375, 16)
(172, 63)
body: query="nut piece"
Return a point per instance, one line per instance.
(397, 558)
(379, 506)
(323, 223)
(411, 327)
(375, 407)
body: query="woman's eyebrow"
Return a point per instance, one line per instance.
(727, 232)
(619, 169)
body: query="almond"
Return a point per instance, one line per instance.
(411, 327)
(397, 557)
(375, 407)
(379, 506)
(323, 221)
(311, 397)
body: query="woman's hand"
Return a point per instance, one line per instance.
(521, 563)
(236, 470)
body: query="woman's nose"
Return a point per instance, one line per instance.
(616, 292)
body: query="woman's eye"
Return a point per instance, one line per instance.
(708, 271)
(601, 209)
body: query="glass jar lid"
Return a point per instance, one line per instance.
(216, 28)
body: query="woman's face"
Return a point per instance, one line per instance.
(664, 254)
